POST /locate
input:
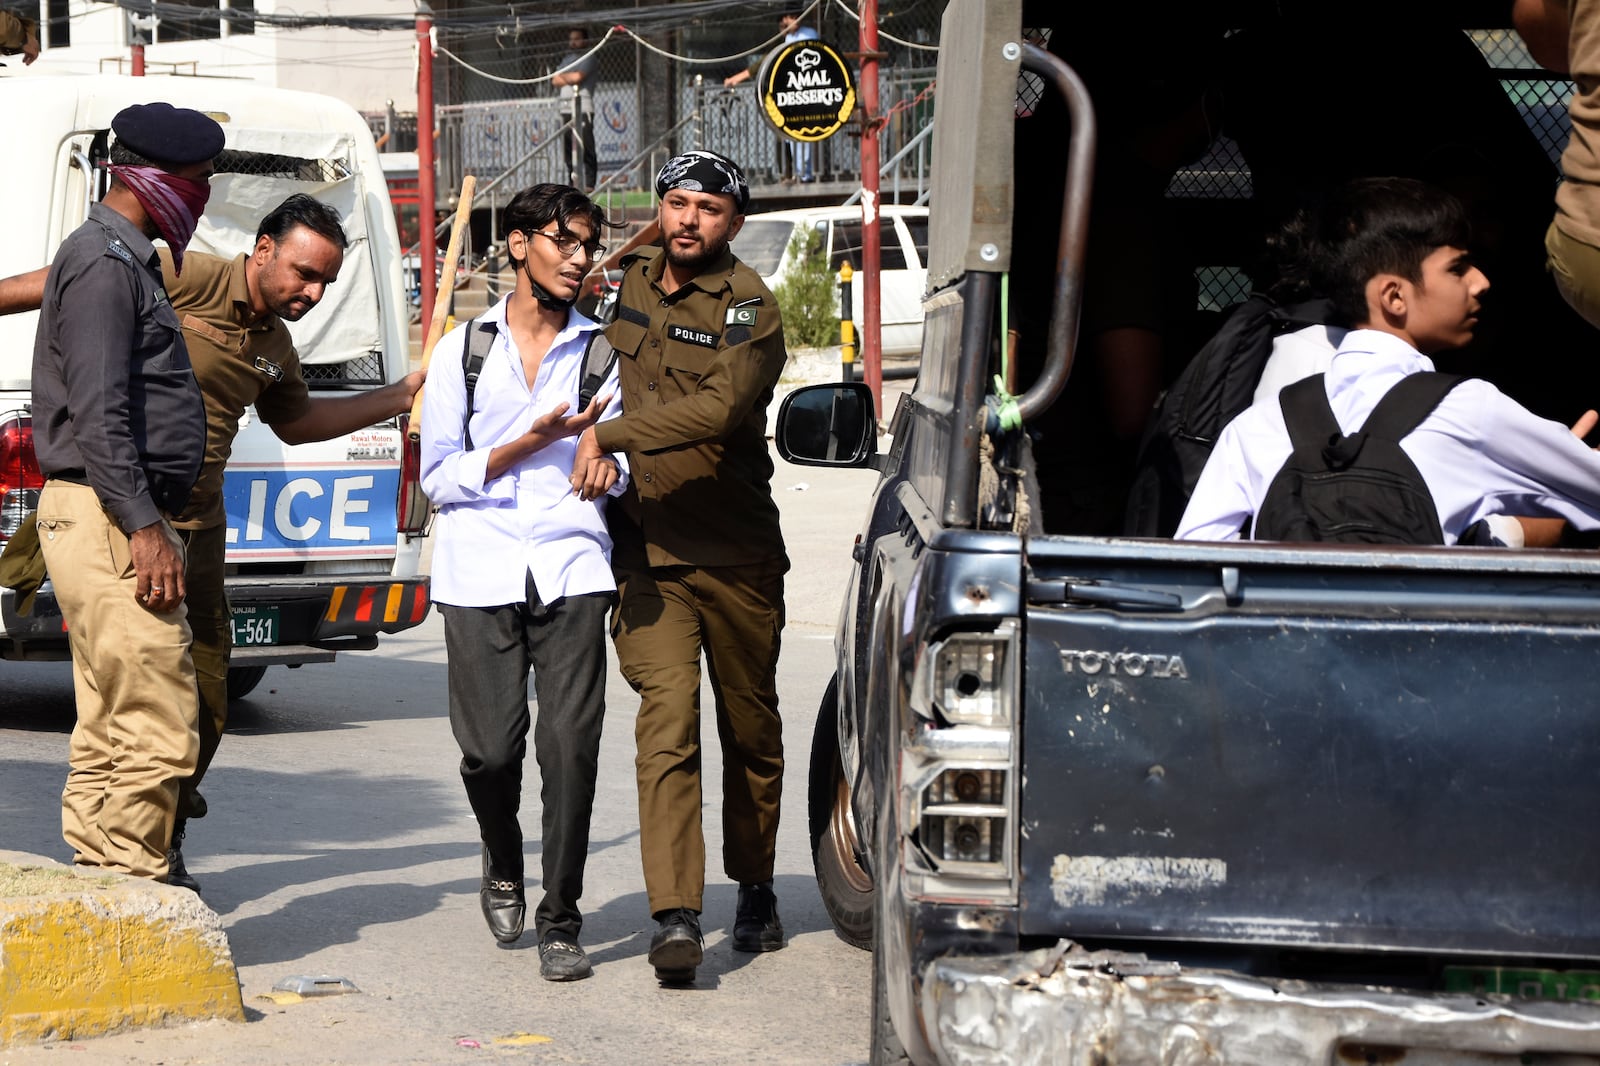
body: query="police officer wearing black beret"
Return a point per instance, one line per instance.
(119, 428)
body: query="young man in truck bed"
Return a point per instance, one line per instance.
(1393, 258)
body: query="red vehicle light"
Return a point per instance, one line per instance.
(412, 509)
(20, 479)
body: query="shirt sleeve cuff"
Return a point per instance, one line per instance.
(133, 515)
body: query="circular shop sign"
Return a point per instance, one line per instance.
(806, 90)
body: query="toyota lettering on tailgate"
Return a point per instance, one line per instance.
(327, 510)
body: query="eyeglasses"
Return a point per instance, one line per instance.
(565, 246)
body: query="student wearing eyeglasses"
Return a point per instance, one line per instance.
(522, 563)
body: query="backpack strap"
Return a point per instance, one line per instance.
(598, 359)
(1307, 415)
(1312, 426)
(473, 353)
(1407, 403)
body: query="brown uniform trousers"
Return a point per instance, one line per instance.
(664, 617)
(211, 622)
(136, 737)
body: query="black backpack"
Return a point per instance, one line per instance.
(598, 358)
(1218, 384)
(1356, 489)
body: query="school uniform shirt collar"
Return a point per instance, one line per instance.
(1367, 365)
(577, 323)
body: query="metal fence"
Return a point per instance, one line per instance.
(498, 115)
(526, 141)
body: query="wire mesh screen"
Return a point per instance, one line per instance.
(364, 370)
(281, 166)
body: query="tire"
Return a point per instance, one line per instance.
(242, 680)
(886, 1048)
(846, 887)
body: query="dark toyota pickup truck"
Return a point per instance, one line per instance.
(1102, 799)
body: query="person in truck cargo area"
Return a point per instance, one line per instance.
(232, 313)
(522, 570)
(1392, 254)
(699, 556)
(119, 429)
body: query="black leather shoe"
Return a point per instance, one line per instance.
(755, 925)
(561, 959)
(177, 872)
(504, 906)
(677, 947)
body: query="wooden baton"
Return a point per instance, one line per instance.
(447, 287)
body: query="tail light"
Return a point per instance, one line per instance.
(20, 479)
(412, 508)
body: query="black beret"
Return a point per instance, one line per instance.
(166, 134)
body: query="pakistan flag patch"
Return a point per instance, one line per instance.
(740, 316)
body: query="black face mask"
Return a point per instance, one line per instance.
(543, 295)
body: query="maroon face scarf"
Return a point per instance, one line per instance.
(174, 204)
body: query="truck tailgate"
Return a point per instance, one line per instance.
(1370, 750)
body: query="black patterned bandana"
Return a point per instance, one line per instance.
(701, 171)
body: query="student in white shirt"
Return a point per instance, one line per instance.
(521, 566)
(1392, 256)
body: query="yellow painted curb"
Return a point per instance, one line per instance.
(83, 953)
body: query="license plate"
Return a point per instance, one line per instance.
(1524, 983)
(255, 626)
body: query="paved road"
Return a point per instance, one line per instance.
(340, 843)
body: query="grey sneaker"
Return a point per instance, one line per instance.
(755, 925)
(561, 959)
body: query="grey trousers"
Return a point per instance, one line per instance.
(491, 650)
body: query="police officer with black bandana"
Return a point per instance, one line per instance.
(698, 554)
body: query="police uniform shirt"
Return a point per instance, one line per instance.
(114, 399)
(697, 369)
(238, 361)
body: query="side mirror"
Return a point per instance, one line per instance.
(828, 425)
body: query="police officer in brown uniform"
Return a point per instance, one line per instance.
(698, 554)
(119, 430)
(232, 314)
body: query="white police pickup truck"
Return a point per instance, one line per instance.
(324, 540)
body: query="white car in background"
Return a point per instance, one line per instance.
(763, 245)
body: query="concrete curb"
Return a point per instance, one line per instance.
(84, 953)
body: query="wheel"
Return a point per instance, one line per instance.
(846, 887)
(242, 680)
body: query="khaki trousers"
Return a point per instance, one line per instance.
(136, 733)
(665, 616)
(1575, 266)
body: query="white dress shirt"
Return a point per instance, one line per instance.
(489, 533)
(1295, 355)
(1480, 452)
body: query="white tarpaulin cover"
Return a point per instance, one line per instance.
(346, 324)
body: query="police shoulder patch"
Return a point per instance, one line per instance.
(740, 316)
(117, 248)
